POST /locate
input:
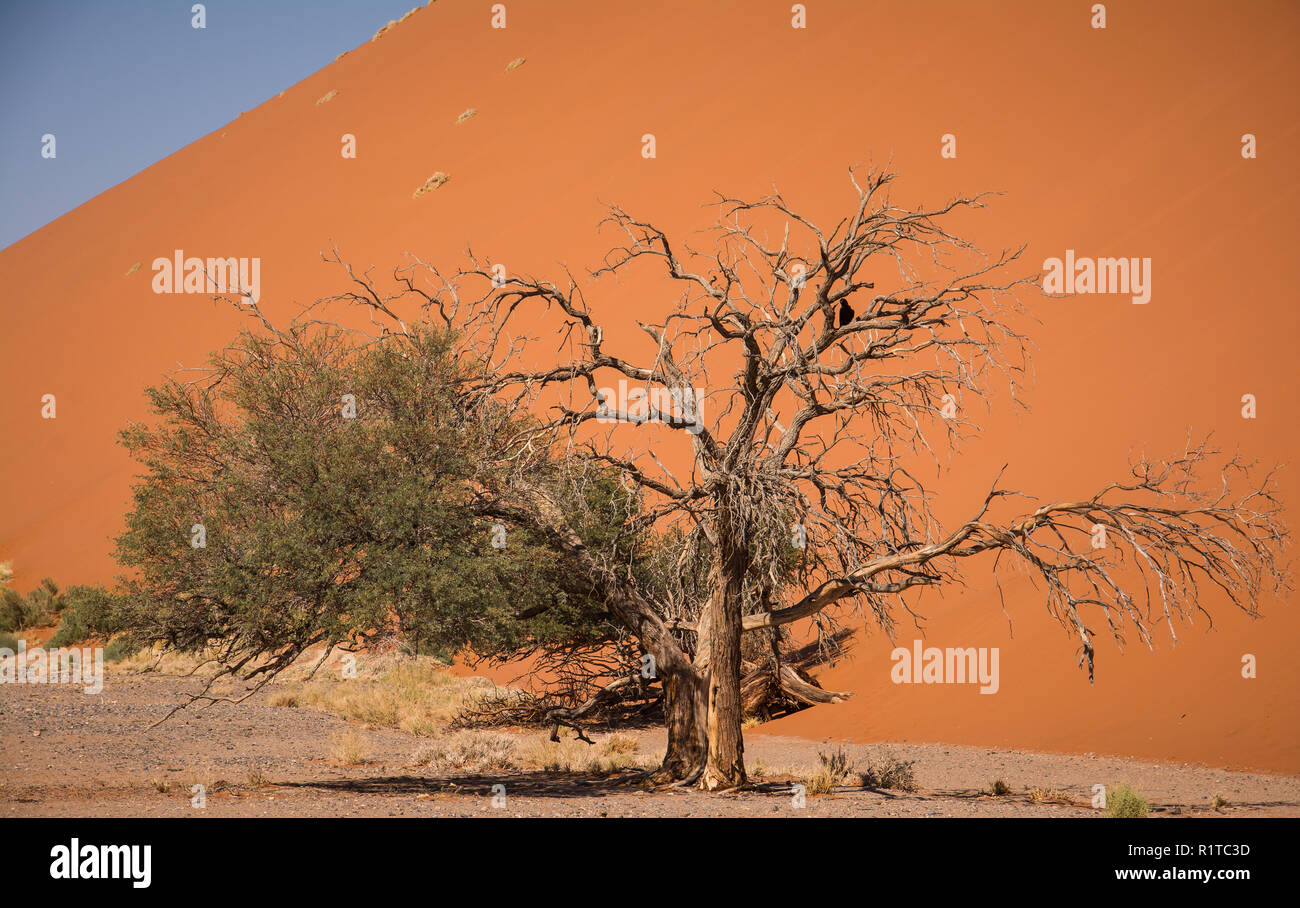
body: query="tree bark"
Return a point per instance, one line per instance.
(725, 765)
(685, 705)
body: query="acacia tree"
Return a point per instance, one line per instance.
(806, 372)
(305, 489)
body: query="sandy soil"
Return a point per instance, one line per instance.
(63, 753)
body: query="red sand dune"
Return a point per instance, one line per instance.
(1116, 142)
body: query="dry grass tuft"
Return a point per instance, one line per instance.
(390, 24)
(153, 660)
(284, 698)
(890, 772)
(1050, 796)
(619, 745)
(349, 748)
(412, 693)
(466, 115)
(618, 753)
(257, 779)
(834, 769)
(468, 751)
(515, 64)
(327, 97)
(415, 695)
(133, 269)
(210, 786)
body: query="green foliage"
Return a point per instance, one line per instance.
(119, 648)
(12, 610)
(83, 612)
(325, 529)
(8, 642)
(37, 608)
(86, 611)
(1123, 801)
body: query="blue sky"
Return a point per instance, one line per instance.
(124, 83)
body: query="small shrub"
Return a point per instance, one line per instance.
(1123, 801)
(9, 643)
(11, 610)
(834, 769)
(998, 788)
(42, 604)
(70, 631)
(837, 764)
(890, 773)
(37, 608)
(1219, 802)
(88, 611)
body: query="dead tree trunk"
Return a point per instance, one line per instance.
(685, 707)
(725, 767)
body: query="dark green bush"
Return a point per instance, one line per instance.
(18, 612)
(12, 604)
(120, 648)
(87, 611)
(316, 527)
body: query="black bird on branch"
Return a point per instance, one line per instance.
(846, 313)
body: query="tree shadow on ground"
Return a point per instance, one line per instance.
(539, 784)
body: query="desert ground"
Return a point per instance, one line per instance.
(65, 753)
